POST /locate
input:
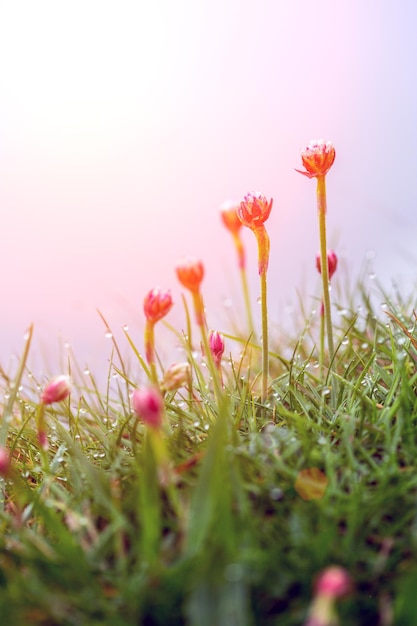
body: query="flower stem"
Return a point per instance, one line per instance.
(265, 356)
(322, 210)
(247, 303)
(150, 351)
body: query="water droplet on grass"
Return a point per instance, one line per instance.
(125, 327)
(86, 371)
(259, 300)
(316, 364)
(372, 276)
(108, 334)
(345, 341)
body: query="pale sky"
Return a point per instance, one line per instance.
(125, 125)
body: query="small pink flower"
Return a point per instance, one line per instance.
(56, 390)
(331, 262)
(157, 304)
(4, 461)
(216, 343)
(148, 404)
(190, 273)
(317, 158)
(334, 581)
(254, 209)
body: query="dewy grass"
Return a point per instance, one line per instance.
(187, 501)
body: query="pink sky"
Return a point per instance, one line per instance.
(125, 125)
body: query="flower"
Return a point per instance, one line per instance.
(230, 218)
(56, 390)
(254, 210)
(4, 461)
(317, 158)
(176, 376)
(216, 343)
(149, 405)
(331, 262)
(311, 483)
(157, 304)
(334, 581)
(190, 273)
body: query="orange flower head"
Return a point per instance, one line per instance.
(317, 158)
(254, 210)
(157, 304)
(190, 273)
(331, 263)
(230, 218)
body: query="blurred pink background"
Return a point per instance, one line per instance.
(125, 125)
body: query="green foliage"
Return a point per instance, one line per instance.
(94, 531)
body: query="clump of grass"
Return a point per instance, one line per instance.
(227, 503)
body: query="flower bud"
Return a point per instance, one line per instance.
(317, 158)
(230, 218)
(254, 210)
(216, 343)
(148, 404)
(331, 262)
(190, 273)
(4, 461)
(157, 304)
(334, 581)
(176, 376)
(56, 390)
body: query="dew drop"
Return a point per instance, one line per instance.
(86, 371)
(372, 276)
(384, 306)
(316, 364)
(345, 341)
(108, 334)
(259, 300)
(364, 345)
(125, 327)
(196, 424)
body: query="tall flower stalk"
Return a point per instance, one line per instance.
(233, 224)
(156, 305)
(253, 211)
(332, 266)
(190, 273)
(317, 158)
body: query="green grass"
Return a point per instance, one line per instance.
(89, 535)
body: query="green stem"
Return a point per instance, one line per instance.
(322, 209)
(150, 351)
(265, 356)
(247, 303)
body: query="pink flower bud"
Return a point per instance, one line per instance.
(317, 158)
(331, 262)
(56, 390)
(157, 304)
(334, 581)
(148, 404)
(4, 461)
(216, 343)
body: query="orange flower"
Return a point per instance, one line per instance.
(317, 158)
(157, 304)
(254, 210)
(190, 274)
(230, 217)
